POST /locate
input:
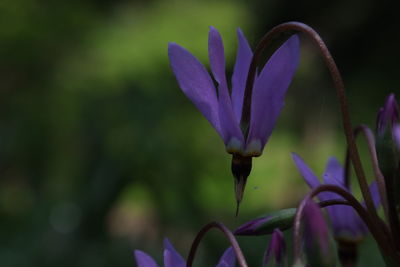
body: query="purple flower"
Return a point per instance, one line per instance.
(224, 109)
(173, 259)
(276, 252)
(346, 223)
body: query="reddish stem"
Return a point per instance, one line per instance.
(238, 252)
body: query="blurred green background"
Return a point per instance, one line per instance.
(101, 153)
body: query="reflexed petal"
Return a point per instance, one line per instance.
(334, 175)
(195, 82)
(270, 88)
(171, 257)
(239, 77)
(228, 259)
(230, 130)
(216, 55)
(334, 172)
(144, 260)
(308, 175)
(346, 223)
(231, 133)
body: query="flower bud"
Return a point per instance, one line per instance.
(318, 244)
(276, 252)
(265, 225)
(387, 115)
(388, 146)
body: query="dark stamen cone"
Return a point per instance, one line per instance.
(237, 208)
(239, 190)
(241, 168)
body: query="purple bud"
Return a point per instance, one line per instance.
(387, 115)
(251, 227)
(317, 240)
(281, 219)
(387, 143)
(275, 254)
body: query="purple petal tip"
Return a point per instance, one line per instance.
(171, 257)
(144, 260)
(228, 259)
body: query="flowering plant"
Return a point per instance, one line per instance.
(245, 117)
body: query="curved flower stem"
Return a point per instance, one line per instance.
(238, 252)
(376, 228)
(290, 28)
(380, 180)
(331, 202)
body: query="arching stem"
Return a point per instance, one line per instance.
(229, 235)
(331, 202)
(380, 180)
(290, 28)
